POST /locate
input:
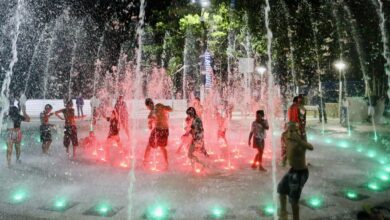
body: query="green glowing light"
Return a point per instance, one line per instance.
(375, 137)
(382, 160)
(371, 153)
(4, 147)
(343, 144)
(383, 176)
(359, 149)
(19, 196)
(269, 210)
(315, 202)
(374, 186)
(328, 141)
(217, 212)
(387, 168)
(103, 208)
(157, 212)
(351, 194)
(60, 203)
(310, 137)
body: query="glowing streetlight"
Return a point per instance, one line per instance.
(205, 3)
(340, 65)
(261, 70)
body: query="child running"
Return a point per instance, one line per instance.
(45, 128)
(186, 138)
(196, 132)
(258, 132)
(15, 133)
(158, 123)
(113, 134)
(70, 132)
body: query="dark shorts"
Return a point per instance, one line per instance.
(45, 133)
(159, 137)
(292, 184)
(258, 143)
(70, 134)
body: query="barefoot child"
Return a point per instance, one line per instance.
(70, 132)
(258, 132)
(113, 134)
(15, 133)
(45, 128)
(197, 143)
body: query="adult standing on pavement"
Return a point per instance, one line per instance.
(80, 104)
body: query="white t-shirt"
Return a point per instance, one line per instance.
(258, 130)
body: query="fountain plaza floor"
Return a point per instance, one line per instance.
(346, 172)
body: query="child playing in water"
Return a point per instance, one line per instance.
(45, 128)
(113, 134)
(197, 143)
(258, 132)
(70, 132)
(186, 137)
(15, 133)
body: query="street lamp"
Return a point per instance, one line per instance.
(261, 70)
(340, 66)
(205, 3)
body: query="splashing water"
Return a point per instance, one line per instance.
(290, 42)
(49, 56)
(267, 10)
(33, 59)
(140, 33)
(319, 71)
(72, 72)
(8, 75)
(98, 64)
(138, 94)
(362, 62)
(385, 40)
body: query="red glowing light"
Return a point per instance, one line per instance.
(123, 164)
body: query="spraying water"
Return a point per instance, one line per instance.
(140, 33)
(49, 57)
(319, 71)
(362, 63)
(186, 63)
(290, 42)
(270, 100)
(385, 40)
(33, 59)
(8, 74)
(164, 53)
(98, 64)
(138, 95)
(72, 72)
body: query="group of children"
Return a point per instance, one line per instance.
(193, 138)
